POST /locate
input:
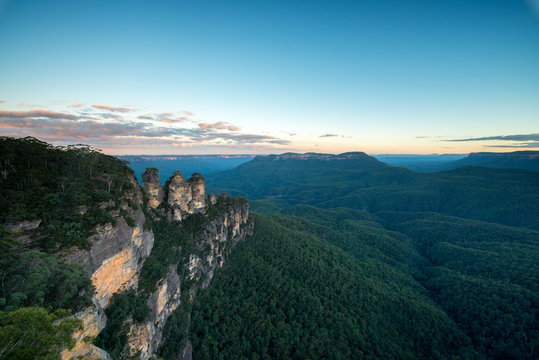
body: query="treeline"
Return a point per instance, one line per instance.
(505, 196)
(480, 276)
(61, 186)
(484, 275)
(289, 294)
(64, 192)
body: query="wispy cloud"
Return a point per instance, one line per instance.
(165, 117)
(38, 114)
(106, 129)
(76, 106)
(112, 108)
(29, 105)
(219, 125)
(328, 135)
(2, 101)
(187, 112)
(532, 144)
(522, 137)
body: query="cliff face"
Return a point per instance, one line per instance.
(113, 263)
(185, 196)
(213, 244)
(117, 256)
(152, 187)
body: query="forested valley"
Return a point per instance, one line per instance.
(350, 258)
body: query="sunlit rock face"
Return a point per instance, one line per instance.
(185, 196)
(214, 243)
(118, 252)
(152, 187)
(113, 262)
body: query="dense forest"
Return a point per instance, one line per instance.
(289, 294)
(350, 259)
(55, 192)
(505, 196)
(445, 235)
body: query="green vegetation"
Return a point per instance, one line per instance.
(61, 186)
(34, 278)
(505, 196)
(33, 333)
(484, 275)
(68, 191)
(174, 242)
(287, 294)
(123, 307)
(176, 330)
(477, 281)
(353, 259)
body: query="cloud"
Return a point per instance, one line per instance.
(533, 144)
(72, 129)
(112, 108)
(63, 128)
(172, 121)
(328, 135)
(37, 114)
(107, 129)
(28, 105)
(219, 125)
(524, 137)
(76, 106)
(187, 112)
(2, 101)
(165, 117)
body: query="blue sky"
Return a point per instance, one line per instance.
(272, 76)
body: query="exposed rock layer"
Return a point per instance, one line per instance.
(113, 263)
(152, 187)
(214, 244)
(117, 254)
(185, 196)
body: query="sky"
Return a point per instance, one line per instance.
(209, 77)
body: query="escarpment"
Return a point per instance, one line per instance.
(203, 233)
(116, 265)
(113, 262)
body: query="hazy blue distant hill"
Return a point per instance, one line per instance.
(421, 163)
(526, 160)
(290, 175)
(187, 164)
(359, 181)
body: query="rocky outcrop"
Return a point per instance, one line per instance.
(152, 187)
(118, 251)
(213, 245)
(185, 196)
(113, 262)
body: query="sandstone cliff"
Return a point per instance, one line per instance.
(185, 196)
(192, 272)
(113, 263)
(118, 252)
(152, 187)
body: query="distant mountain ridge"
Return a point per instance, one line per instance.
(527, 160)
(359, 181)
(358, 155)
(182, 157)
